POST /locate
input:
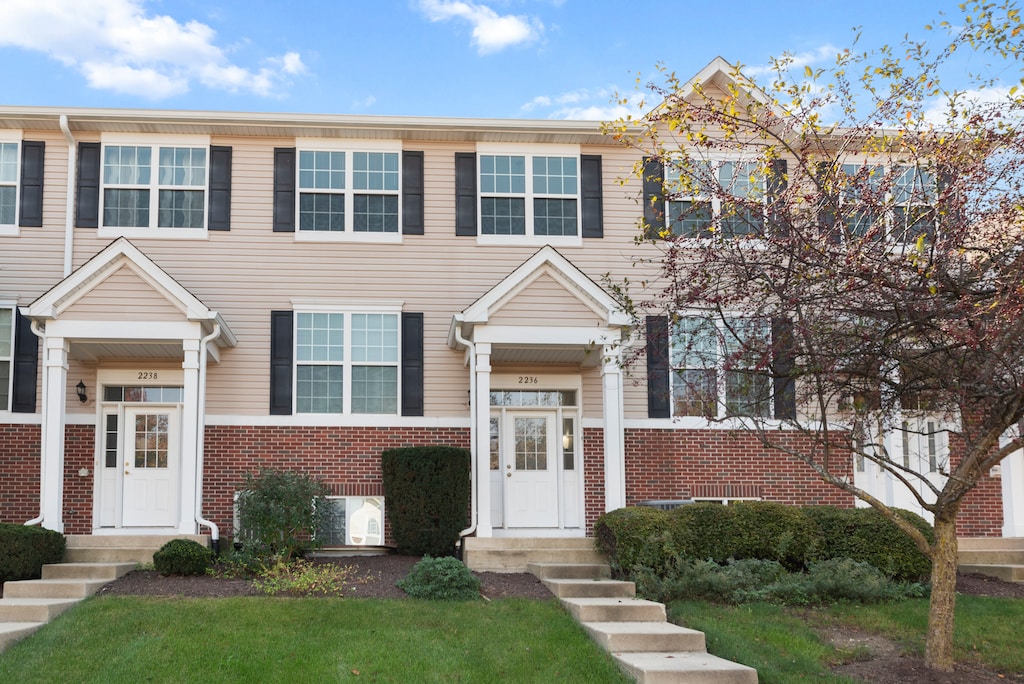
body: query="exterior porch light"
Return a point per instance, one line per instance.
(80, 389)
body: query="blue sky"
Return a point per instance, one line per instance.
(488, 58)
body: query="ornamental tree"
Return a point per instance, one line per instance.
(849, 242)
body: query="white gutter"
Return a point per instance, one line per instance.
(201, 439)
(69, 209)
(38, 520)
(473, 495)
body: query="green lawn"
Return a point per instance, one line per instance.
(783, 646)
(136, 639)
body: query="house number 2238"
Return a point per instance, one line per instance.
(528, 380)
(147, 375)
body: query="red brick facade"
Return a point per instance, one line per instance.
(660, 464)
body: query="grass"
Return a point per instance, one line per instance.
(784, 647)
(131, 639)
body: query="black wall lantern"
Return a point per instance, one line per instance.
(80, 388)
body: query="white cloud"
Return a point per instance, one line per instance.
(603, 104)
(798, 60)
(117, 45)
(492, 32)
(990, 100)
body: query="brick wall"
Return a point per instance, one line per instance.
(19, 473)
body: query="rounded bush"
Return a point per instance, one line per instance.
(705, 531)
(27, 549)
(440, 579)
(626, 536)
(182, 557)
(772, 531)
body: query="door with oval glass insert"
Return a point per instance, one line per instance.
(531, 469)
(151, 463)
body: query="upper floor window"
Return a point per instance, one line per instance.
(529, 195)
(715, 370)
(716, 197)
(348, 191)
(154, 186)
(346, 362)
(897, 202)
(8, 183)
(6, 355)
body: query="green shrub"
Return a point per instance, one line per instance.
(865, 534)
(303, 578)
(277, 512)
(441, 579)
(27, 549)
(634, 537)
(772, 531)
(182, 557)
(427, 494)
(705, 530)
(706, 580)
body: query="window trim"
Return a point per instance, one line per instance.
(348, 146)
(529, 152)
(13, 136)
(672, 175)
(154, 142)
(9, 359)
(889, 202)
(313, 307)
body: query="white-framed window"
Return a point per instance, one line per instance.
(347, 190)
(898, 200)
(6, 355)
(529, 193)
(714, 373)
(10, 162)
(346, 361)
(699, 205)
(925, 445)
(352, 521)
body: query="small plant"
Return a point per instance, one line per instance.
(441, 579)
(277, 512)
(304, 578)
(182, 557)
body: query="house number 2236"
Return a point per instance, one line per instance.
(528, 380)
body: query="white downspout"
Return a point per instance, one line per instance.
(38, 520)
(201, 439)
(69, 209)
(473, 495)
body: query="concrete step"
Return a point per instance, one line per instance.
(593, 588)
(1001, 543)
(1007, 573)
(569, 570)
(634, 637)
(117, 548)
(103, 571)
(514, 554)
(683, 668)
(52, 588)
(614, 610)
(991, 557)
(33, 609)
(11, 632)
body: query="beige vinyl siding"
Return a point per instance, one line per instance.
(545, 301)
(123, 296)
(248, 271)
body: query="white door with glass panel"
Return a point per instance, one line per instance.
(530, 469)
(151, 461)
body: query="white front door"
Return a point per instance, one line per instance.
(530, 469)
(150, 466)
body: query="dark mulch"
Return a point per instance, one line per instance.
(371, 577)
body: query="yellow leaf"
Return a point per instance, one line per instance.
(808, 72)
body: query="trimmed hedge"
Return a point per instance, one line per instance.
(427, 494)
(655, 540)
(182, 557)
(27, 549)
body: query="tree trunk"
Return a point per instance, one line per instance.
(938, 652)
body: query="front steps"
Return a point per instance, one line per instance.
(644, 644)
(508, 554)
(1001, 557)
(90, 561)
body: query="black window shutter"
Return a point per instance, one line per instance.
(412, 364)
(220, 189)
(776, 186)
(658, 404)
(87, 197)
(412, 193)
(281, 351)
(784, 389)
(949, 209)
(284, 189)
(32, 153)
(654, 204)
(592, 195)
(26, 362)
(465, 193)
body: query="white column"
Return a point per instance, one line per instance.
(614, 432)
(1012, 472)
(55, 356)
(481, 415)
(189, 430)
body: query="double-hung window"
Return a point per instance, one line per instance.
(346, 362)
(350, 193)
(718, 367)
(147, 185)
(529, 194)
(723, 197)
(9, 158)
(6, 355)
(898, 201)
